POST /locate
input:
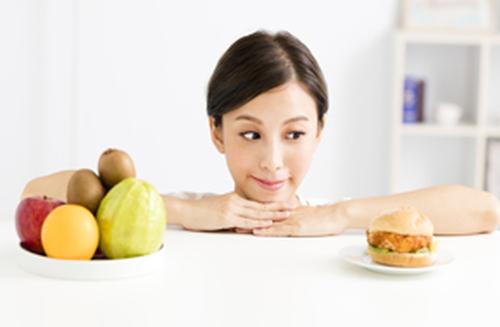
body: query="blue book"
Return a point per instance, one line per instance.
(413, 100)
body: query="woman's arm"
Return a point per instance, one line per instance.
(53, 185)
(453, 209)
(210, 213)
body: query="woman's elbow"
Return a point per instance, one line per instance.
(491, 213)
(53, 185)
(486, 204)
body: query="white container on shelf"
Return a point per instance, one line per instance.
(448, 114)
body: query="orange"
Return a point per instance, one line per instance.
(70, 232)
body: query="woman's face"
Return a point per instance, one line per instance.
(269, 143)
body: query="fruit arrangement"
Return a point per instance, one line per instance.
(108, 215)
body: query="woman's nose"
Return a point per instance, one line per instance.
(272, 158)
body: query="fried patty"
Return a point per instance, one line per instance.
(397, 242)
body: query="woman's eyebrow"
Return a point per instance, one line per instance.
(294, 119)
(258, 121)
(247, 117)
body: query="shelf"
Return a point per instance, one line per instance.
(448, 38)
(439, 130)
(493, 132)
(463, 69)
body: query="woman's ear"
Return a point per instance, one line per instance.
(216, 134)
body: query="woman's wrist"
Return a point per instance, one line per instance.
(347, 212)
(176, 210)
(340, 214)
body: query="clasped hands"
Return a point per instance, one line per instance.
(232, 212)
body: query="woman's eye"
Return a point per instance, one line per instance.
(295, 135)
(250, 135)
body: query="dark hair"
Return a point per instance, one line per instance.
(259, 62)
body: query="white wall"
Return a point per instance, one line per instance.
(86, 75)
(18, 72)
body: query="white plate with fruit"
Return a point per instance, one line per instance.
(112, 226)
(91, 270)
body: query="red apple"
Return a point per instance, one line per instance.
(30, 215)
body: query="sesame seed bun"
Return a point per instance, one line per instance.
(404, 220)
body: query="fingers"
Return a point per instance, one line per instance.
(262, 215)
(245, 214)
(272, 206)
(242, 231)
(264, 211)
(243, 223)
(277, 229)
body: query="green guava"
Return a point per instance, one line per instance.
(132, 219)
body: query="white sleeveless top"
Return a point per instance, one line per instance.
(185, 195)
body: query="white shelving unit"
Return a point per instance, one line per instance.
(428, 153)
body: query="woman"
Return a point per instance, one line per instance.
(267, 102)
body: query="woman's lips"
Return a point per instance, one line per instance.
(269, 184)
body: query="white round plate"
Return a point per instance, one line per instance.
(96, 269)
(358, 255)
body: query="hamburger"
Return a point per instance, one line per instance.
(401, 238)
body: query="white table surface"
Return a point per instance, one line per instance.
(218, 279)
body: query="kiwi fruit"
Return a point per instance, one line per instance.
(114, 166)
(85, 188)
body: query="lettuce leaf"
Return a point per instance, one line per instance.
(420, 251)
